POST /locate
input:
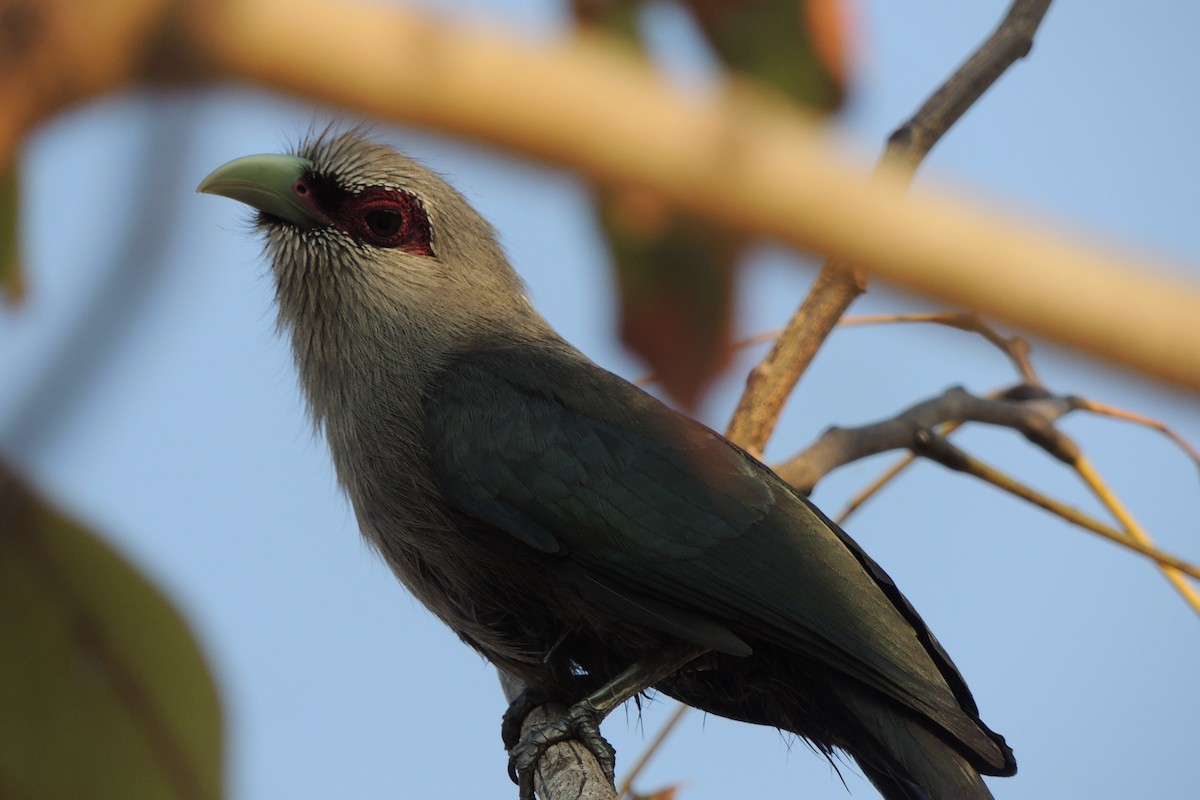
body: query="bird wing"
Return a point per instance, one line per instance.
(578, 463)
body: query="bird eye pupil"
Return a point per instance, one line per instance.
(383, 222)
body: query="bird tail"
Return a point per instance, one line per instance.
(907, 760)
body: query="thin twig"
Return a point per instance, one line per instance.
(1016, 348)
(740, 344)
(1018, 351)
(883, 479)
(1129, 416)
(1087, 473)
(1075, 402)
(939, 449)
(1011, 41)
(651, 749)
(1134, 530)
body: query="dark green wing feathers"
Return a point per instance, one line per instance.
(677, 528)
(563, 479)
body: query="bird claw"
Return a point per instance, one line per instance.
(580, 723)
(518, 710)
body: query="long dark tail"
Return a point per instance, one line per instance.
(904, 759)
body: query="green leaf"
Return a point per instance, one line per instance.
(794, 46)
(797, 47)
(618, 17)
(11, 285)
(104, 692)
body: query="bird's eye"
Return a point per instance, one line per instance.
(384, 223)
(388, 218)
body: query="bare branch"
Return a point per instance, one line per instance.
(769, 384)
(567, 769)
(1025, 409)
(937, 448)
(883, 479)
(1133, 529)
(1075, 403)
(1106, 410)
(1087, 472)
(1030, 410)
(626, 789)
(1016, 348)
(1011, 41)
(839, 283)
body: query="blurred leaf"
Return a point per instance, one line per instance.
(11, 285)
(675, 275)
(675, 271)
(104, 692)
(797, 47)
(794, 46)
(618, 17)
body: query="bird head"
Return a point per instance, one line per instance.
(353, 226)
(384, 273)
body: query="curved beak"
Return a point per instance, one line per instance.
(265, 182)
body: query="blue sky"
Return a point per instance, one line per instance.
(180, 434)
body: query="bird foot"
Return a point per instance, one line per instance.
(518, 710)
(580, 723)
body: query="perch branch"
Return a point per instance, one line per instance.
(566, 769)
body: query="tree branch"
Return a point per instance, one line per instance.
(839, 283)
(1016, 348)
(1027, 407)
(1023, 408)
(1011, 41)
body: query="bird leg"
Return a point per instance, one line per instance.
(582, 720)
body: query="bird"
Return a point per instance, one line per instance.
(580, 534)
